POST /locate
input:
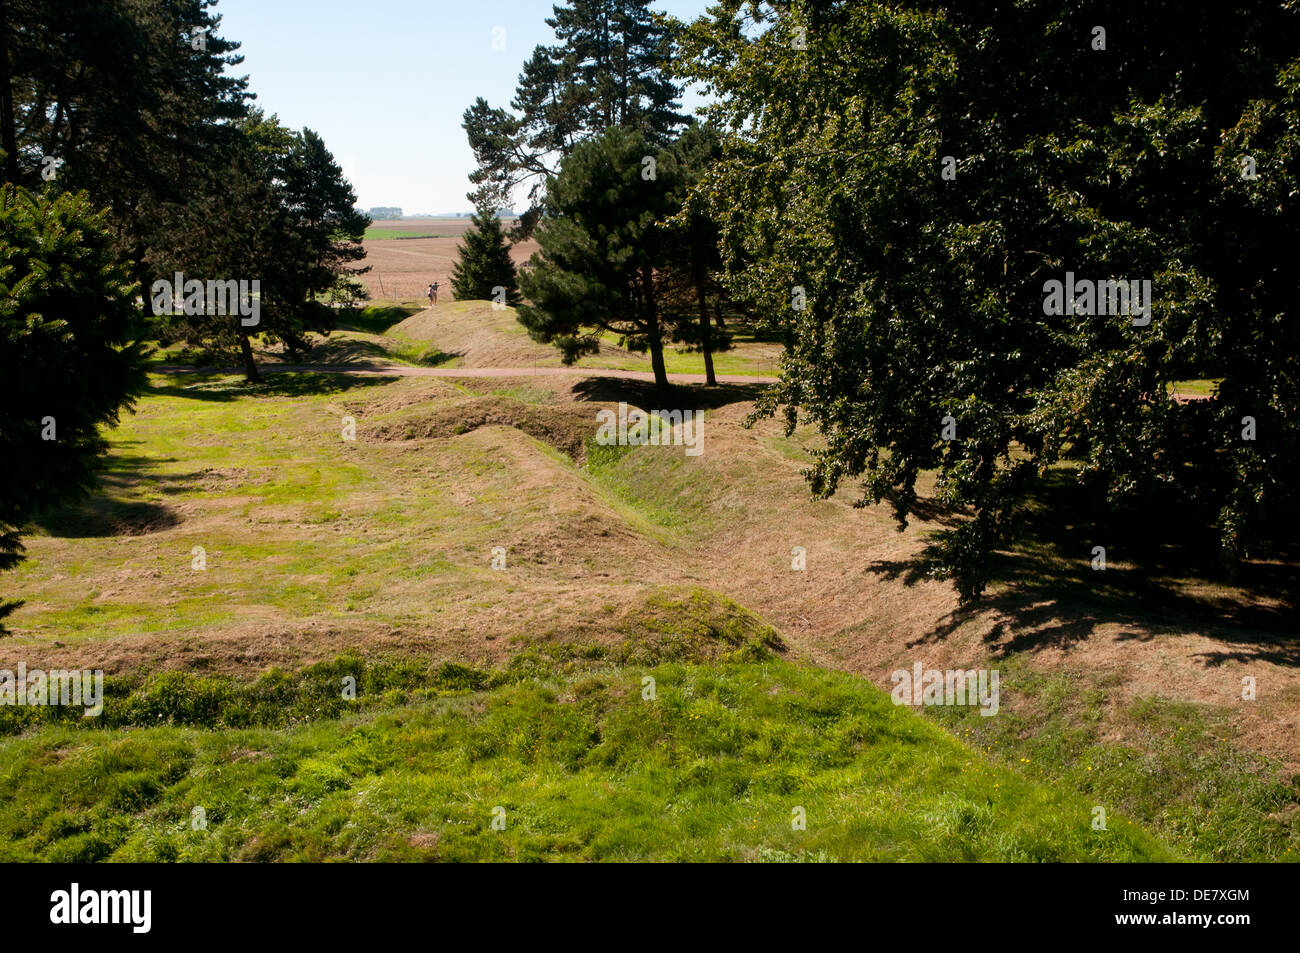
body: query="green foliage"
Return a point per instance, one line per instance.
(600, 241)
(66, 309)
(608, 69)
(137, 104)
(347, 291)
(288, 220)
(484, 264)
(135, 101)
(925, 295)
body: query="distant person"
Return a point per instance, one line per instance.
(431, 291)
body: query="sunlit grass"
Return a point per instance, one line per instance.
(754, 760)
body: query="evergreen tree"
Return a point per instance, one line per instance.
(288, 221)
(600, 247)
(484, 264)
(131, 102)
(608, 69)
(66, 309)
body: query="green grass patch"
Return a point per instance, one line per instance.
(421, 353)
(375, 318)
(673, 762)
(615, 472)
(1196, 388)
(277, 699)
(380, 234)
(661, 483)
(1177, 775)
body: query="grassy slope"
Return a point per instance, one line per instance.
(711, 769)
(1172, 765)
(480, 336)
(312, 544)
(256, 466)
(301, 526)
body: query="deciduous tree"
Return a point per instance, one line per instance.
(901, 181)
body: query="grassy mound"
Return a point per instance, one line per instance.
(697, 625)
(673, 762)
(372, 557)
(566, 429)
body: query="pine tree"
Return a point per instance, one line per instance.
(69, 364)
(602, 249)
(609, 69)
(484, 270)
(136, 103)
(289, 222)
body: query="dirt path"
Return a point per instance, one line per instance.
(404, 370)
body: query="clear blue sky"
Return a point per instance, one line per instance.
(385, 81)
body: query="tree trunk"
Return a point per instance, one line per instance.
(717, 314)
(652, 326)
(56, 127)
(250, 366)
(141, 271)
(8, 136)
(657, 362)
(706, 339)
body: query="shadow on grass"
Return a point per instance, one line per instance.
(104, 512)
(201, 391)
(343, 351)
(1163, 578)
(373, 319)
(748, 332)
(677, 396)
(225, 387)
(358, 353)
(419, 355)
(308, 383)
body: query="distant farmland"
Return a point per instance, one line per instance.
(380, 234)
(401, 269)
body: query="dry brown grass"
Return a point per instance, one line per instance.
(383, 547)
(482, 336)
